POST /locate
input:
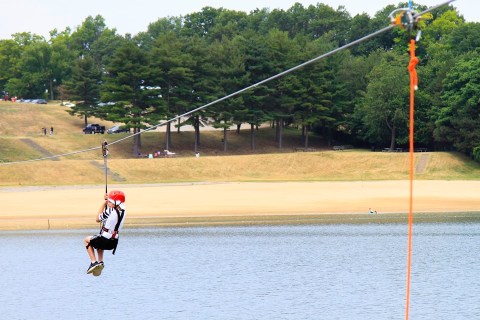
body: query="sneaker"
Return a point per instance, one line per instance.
(98, 270)
(92, 267)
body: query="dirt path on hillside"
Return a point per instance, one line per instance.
(44, 152)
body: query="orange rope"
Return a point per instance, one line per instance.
(413, 72)
(413, 86)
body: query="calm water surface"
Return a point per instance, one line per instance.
(271, 272)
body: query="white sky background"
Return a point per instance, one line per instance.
(127, 16)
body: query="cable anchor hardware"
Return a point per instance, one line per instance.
(105, 149)
(105, 165)
(407, 19)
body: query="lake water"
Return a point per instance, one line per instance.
(267, 272)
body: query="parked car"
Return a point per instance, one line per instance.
(118, 129)
(94, 128)
(67, 104)
(103, 104)
(41, 101)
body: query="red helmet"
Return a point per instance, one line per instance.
(116, 197)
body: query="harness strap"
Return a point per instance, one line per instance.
(114, 233)
(119, 220)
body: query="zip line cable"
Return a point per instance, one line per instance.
(213, 102)
(281, 74)
(410, 25)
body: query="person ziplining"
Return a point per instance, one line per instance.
(407, 19)
(111, 215)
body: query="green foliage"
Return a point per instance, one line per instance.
(128, 83)
(87, 34)
(385, 106)
(9, 53)
(181, 63)
(459, 118)
(37, 68)
(84, 87)
(476, 154)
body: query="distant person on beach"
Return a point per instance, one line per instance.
(51, 131)
(111, 214)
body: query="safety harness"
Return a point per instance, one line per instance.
(106, 233)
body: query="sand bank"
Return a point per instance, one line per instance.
(157, 204)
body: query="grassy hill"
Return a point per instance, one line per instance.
(19, 122)
(21, 139)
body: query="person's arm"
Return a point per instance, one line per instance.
(102, 207)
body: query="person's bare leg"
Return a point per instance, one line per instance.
(90, 250)
(100, 254)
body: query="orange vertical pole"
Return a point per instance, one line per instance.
(413, 86)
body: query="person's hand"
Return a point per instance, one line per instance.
(105, 197)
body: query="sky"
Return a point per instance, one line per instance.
(127, 16)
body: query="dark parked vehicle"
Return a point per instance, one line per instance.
(94, 128)
(118, 129)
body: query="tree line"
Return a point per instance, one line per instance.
(358, 96)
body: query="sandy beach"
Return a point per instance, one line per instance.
(27, 208)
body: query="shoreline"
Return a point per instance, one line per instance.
(58, 224)
(240, 203)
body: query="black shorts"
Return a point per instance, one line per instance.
(99, 242)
